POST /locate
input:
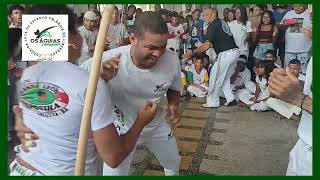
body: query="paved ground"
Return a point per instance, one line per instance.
(224, 141)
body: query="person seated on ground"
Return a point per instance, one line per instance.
(255, 94)
(200, 82)
(240, 76)
(294, 67)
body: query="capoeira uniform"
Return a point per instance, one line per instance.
(199, 79)
(300, 162)
(242, 78)
(219, 34)
(130, 88)
(52, 104)
(249, 92)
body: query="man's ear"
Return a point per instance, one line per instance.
(133, 39)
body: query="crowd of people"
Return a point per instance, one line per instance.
(187, 53)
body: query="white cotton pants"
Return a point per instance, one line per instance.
(158, 142)
(300, 162)
(220, 75)
(249, 92)
(197, 92)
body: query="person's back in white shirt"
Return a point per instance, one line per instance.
(52, 101)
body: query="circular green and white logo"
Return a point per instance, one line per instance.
(45, 38)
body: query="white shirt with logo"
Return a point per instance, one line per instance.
(52, 97)
(296, 41)
(200, 78)
(177, 31)
(132, 86)
(305, 125)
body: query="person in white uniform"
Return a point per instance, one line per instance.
(142, 71)
(52, 105)
(285, 86)
(220, 38)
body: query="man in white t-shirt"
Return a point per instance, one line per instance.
(117, 33)
(241, 28)
(52, 105)
(145, 70)
(89, 33)
(297, 45)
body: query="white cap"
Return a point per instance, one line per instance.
(90, 15)
(242, 60)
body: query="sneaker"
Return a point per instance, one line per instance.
(208, 106)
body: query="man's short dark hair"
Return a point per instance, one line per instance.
(131, 6)
(14, 7)
(163, 12)
(173, 14)
(196, 10)
(295, 61)
(149, 22)
(271, 51)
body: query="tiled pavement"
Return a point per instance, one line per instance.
(225, 141)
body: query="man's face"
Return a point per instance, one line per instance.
(131, 11)
(188, 7)
(294, 69)
(88, 24)
(92, 7)
(115, 15)
(16, 16)
(299, 8)
(208, 16)
(196, 15)
(149, 48)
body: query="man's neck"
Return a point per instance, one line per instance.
(114, 23)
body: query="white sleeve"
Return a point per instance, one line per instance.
(107, 55)
(102, 112)
(176, 83)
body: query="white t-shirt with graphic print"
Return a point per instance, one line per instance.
(132, 86)
(177, 31)
(296, 41)
(52, 97)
